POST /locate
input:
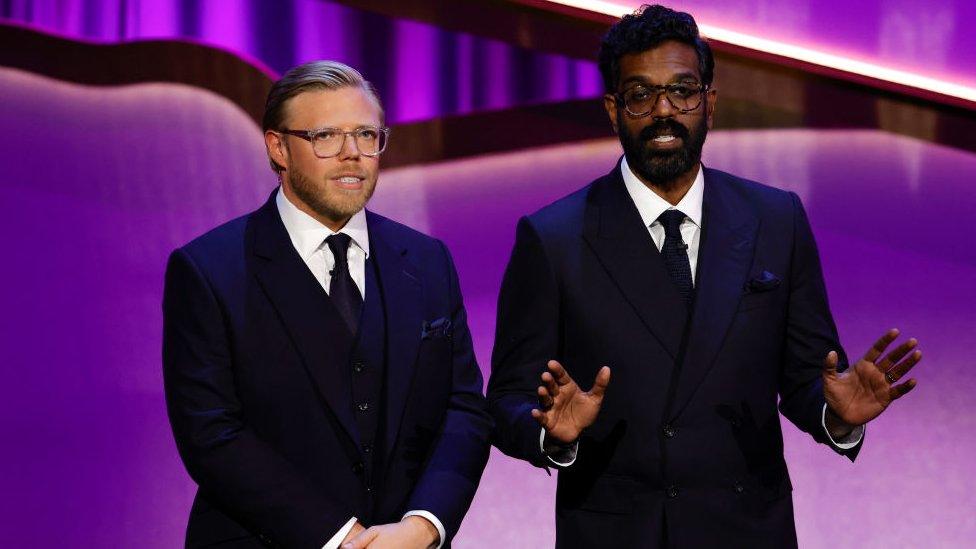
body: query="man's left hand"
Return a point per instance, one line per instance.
(864, 390)
(411, 532)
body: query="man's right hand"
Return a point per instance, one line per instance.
(355, 531)
(565, 410)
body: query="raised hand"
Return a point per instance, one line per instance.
(865, 389)
(565, 410)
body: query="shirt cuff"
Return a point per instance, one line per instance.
(433, 520)
(851, 440)
(335, 540)
(562, 456)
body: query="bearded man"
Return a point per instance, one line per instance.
(702, 292)
(320, 378)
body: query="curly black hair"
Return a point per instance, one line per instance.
(647, 28)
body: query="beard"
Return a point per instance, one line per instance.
(662, 168)
(327, 200)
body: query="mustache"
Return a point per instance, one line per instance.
(662, 127)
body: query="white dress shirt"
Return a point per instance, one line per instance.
(308, 236)
(650, 206)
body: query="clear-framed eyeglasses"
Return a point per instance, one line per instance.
(639, 100)
(328, 142)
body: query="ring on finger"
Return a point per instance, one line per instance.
(890, 378)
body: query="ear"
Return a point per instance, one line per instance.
(277, 150)
(610, 105)
(710, 98)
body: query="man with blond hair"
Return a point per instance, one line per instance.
(320, 377)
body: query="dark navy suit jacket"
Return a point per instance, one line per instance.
(687, 450)
(256, 367)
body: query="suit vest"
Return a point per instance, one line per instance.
(368, 367)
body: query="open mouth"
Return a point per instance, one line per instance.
(352, 182)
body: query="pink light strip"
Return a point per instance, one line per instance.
(806, 55)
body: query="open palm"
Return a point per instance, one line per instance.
(864, 390)
(565, 409)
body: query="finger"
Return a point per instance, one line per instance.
(899, 370)
(601, 382)
(362, 540)
(550, 383)
(899, 353)
(559, 373)
(899, 391)
(830, 364)
(880, 345)
(545, 400)
(540, 418)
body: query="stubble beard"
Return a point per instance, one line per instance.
(327, 201)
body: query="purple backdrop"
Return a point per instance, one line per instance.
(928, 37)
(420, 71)
(100, 184)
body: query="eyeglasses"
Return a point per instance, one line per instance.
(640, 99)
(328, 142)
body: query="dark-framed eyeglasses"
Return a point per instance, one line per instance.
(328, 142)
(639, 100)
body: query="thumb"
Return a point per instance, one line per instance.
(830, 364)
(601, 382)
(362, 540)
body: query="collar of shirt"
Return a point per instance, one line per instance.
(650, 206)
(308, 234)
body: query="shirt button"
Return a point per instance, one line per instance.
(668, 430)
(672, 491)
(367, 448)
(363, 406)
(739, 488)
(358, 366)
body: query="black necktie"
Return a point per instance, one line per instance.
(342, 289)
(675, 253)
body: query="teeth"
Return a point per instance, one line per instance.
(349, 180)
(664, 139)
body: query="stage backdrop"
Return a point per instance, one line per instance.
(99, 184)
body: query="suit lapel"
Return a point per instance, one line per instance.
(314, 324)
(728, 243)
(616, 233)
(403, 303)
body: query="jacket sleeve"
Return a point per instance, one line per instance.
(810, 335)
(232, 465)
(526, 338)
(452, 473)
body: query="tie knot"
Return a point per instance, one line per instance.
(339, 244)
(671, 219)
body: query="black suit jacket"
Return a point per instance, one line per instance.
(256, 367)
(687, 449)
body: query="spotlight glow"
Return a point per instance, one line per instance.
(830, 61)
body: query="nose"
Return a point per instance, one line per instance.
(350, 148)
(662, 106)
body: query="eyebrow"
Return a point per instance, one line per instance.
(676, 78)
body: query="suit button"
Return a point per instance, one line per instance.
(669, 430)
(358, 468)
(358, 366)
(672, 491)
(362, 406)
(739, 488)
(367, 448)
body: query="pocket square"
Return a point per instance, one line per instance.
(440, 327)
(764, 282)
